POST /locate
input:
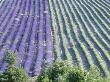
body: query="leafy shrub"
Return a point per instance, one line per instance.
(11, 57)
(61, 72)
(93, 75)
(13, 74)
(75, 74)
(65, 72)
(58, 68)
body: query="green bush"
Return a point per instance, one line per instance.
(13, 74)
(93, 75)
(75, 74)
(62, 72)
(58, 68)
(65, 72)
(11, 57)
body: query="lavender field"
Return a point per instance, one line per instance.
(25, 27)
(42, 31)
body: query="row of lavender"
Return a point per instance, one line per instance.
(25, 28)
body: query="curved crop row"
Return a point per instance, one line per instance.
(83, 32)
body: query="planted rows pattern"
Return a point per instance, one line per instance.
(81, 30)
(25, 28)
